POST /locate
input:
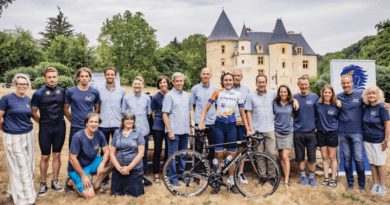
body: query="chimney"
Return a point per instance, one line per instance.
(290, 32)
(248, 30)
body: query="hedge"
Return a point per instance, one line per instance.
(10, 74)
(63, 81)
(62, 69)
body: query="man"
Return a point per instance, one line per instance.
(83, 159)
(111, 97)
(177, 119)
(50, 102)
(244, 90)
(200, 94)
(139, 103)
(83, 99)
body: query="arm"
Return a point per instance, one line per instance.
(203, 116)
(153, 113)
(387, 133)
(296, 104)
(1, 122)
(243, 116)
(34, 113)
(137, 159)
(76, 166)
(66, 111)
(97, 107)
(113, 158)
(249, 120)
(106, 157)
(166, 122)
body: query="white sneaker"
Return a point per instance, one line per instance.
(230, 180)
(374, 188)
(242, 178)
(382, 190)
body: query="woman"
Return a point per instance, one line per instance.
(126, 152)
(327, 132)
(283, 109)
(163, 83)
(18, 140)
(376, 130)
(226, 100)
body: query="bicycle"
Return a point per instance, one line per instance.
(208, 176)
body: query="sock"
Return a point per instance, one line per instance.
(311, 175)
(231, 180)
(240, 173)
(303, 174)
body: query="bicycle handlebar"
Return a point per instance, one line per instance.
(252, 136)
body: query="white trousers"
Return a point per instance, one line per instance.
(20, 154)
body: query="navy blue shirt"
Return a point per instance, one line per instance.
(86, 148)
(127, 147)
(327, 116)
(304, 118)
(283, 121)
(50, 102)
(351, 112)
(373, 123)
(81, 104)
(156, 104)
(17, 114)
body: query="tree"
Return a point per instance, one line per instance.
(317, 85)
(379, 49)
(323, 66)
(4, 4)
(383, 80)
(128, 43)
(56, 26)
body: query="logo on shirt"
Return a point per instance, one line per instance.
(27, 105)
(58, 92)
(356, 100)
(47, 92)
(223, 105)
(309, 102)
(96, 146)
(88, 98)
(373, 113)
(330, 112)
(289, 109)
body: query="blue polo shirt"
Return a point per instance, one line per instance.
(262, 111)
(111, 105)
(127, 147)
(283, 122)
(373, 123)
(140, 105)
(156, 104)
(50, 102)
(200, 94)
(17, 114)
(178, 106)
(327, 116)
(81, 104)
(351, 114)
(244, 90)
(304, 118)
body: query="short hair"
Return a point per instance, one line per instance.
(349, 76)
(380, 96)
(333, 99)
(49, 69)
(177, 74)
(109, 68)
(92, 114)
(304, 77)
(128, 114)
(223, 76)
(160, 78)
(237, 69)
(21, 75)
(140, 79)
(289, 95)
(84, 69)
(262, 75)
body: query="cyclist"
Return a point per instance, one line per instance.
(225, 124)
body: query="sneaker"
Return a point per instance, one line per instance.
(374, 189)
(382, 190)
(272, 181)
(68, 187)
(242, 178)
(234, 189)
(176, 184)
(362, 188)
(56, 186)
(196, 181)
(147, 182)
(262, 181)
(230, 181)
(312, 183)
(214, 191)
(304, 181)
(43, 189)
(349, 186)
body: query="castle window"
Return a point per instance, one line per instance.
(260, 49)
(305, 64)
(260, 60)
(223, 62)
(283, 50)
(242, 62)
(242, 48)
(223, 49)
(299, 50)
(260, 71)
(235, 61)
(284, 65)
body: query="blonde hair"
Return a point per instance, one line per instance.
(380, 96)
(21, 75)
(139, 78)
(49, 69)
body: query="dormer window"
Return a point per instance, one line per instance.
(223, 49)
(299, 50)
(260, 49)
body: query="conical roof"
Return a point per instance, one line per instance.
(280, 34)
(223, 29)
(244, 34)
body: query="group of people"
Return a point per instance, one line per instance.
(302, 121)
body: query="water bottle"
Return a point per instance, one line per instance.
(216, 165)
(227, 161)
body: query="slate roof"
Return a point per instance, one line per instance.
(280, 34)
(244, 34)
(223, 29)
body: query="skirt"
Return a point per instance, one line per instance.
(130, 185)
(284, 141)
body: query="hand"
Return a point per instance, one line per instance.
(86, 182)
(250, 132)
(100, 170)
(387, 106)
(202, 127)
(296, 104)
(384, 145)
(171, 136)
(124, 170)
(191, 131)
(338, 103)
(238, 121)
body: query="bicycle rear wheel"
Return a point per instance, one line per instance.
(252, 172)
(180, 167)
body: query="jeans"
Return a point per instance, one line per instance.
(158, 137)
(180, 143)
(107, 132)
(352, 145)
(145, 158)
(199, 146)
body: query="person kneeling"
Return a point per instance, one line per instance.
(83, 159)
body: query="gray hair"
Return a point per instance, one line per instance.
(237, 69)
(128, 114)
(349, 76)
(177, 74)
(21, 75)
(206, 69)
(92, 114)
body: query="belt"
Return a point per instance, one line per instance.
(326, 131)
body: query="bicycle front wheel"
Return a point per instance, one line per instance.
(257, 165)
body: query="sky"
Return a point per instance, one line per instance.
(328, 26)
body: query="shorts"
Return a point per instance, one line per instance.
(284, 141)
(303, 141)
(92, 168)
(240, 132)
(374, 153)
(224, 133)
(51, 134)
(328, 138)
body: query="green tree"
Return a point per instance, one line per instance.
(56, 26)
(323, 66)
(379, 49)
(169, 61)
(4, 4)
(128, 43)
(316, 85)
(383, 80)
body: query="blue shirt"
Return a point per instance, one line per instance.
(327, 116)
(200, 94)
(262, 111)
(50, 102)
(86, 148)
(156, 104)
(373, 123)
(127, 147)
(111, 105)
(81, 104)
(244, 90)
(17, 114)
(304, 118)
(351, 114)
(178, 106)
(140, 105)
(283, 122)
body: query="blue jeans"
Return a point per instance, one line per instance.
(352, 145)
(145, 158)
(180, 143)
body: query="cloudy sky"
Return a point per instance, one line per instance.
(327, 26)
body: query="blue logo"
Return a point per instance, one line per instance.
(359, 77)
(223, 105)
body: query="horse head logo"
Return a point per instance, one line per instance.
(359, 77)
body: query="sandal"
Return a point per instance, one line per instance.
(157, 182)
(333, 184)
(68, 187)
(100, 190)
(325, 182)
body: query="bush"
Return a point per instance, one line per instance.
(9, 75)
(63, 81)
(62, 69)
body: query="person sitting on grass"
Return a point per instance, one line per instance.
(83, 159)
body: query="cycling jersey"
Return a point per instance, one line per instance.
(50, 102)
(226, 101)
